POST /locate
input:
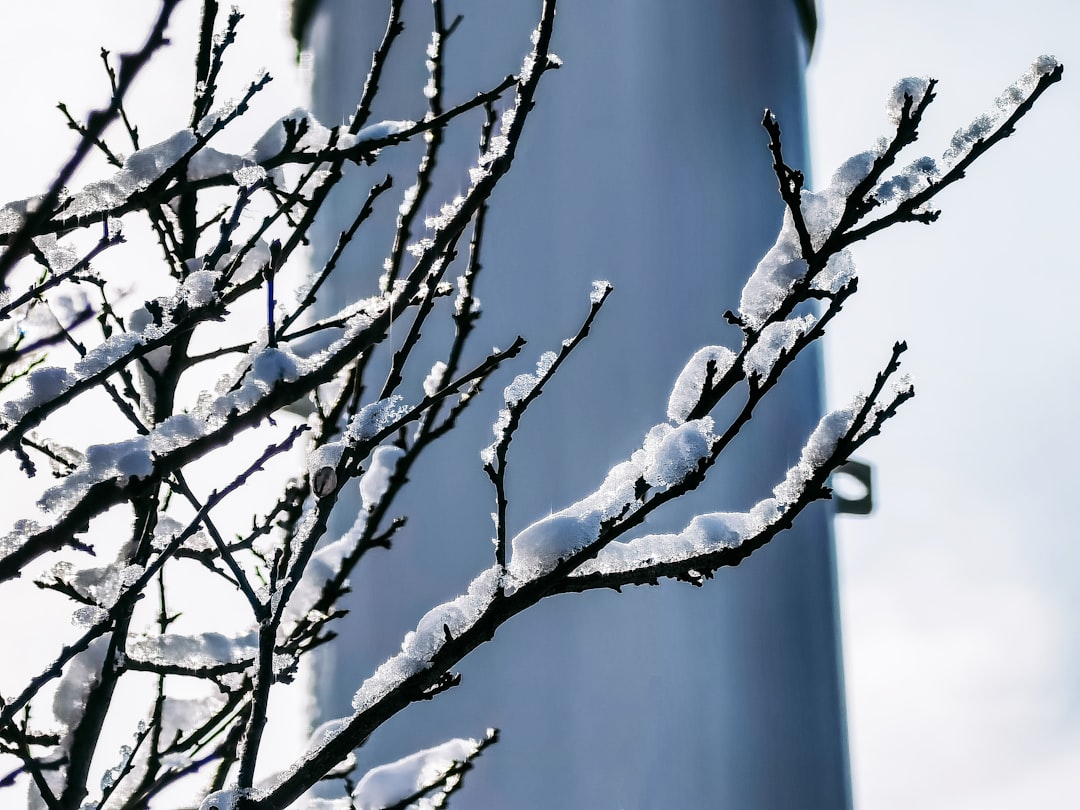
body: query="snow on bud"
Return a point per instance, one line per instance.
(408, 200)
(671, 454)
(502, 422)
(822, 210)
(458, 615)
(913, 87)
(524, 384)
(49, 382)
(433, 381)
(1046, 63)
(249, 175)
(148, 164)
(383, 129)
(253, 261)
(220, 800)
(272, 365)
(1022, 87)
(538, 547)
(139, 170)
(839, 270)
(198, 287)
(60, 257)
(775, 339)
(324, 456)
(13, 215)
(88, 616)
(476, 174)
(195, 650)
(78, 679)
(600, 289)
(818, 449)
(686, 393)
(966, 137)
(771, 280)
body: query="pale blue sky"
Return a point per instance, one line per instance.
(959, 595)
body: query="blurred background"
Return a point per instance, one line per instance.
(959, 594)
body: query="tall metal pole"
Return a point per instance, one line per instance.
(644, 164)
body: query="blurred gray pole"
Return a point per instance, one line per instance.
(644, 164)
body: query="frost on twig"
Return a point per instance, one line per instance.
(132, 524)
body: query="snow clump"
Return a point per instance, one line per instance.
(913, 87)
(667, 456)
(688, 388)
(389, 785)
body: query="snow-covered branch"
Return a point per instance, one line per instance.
(137, 528)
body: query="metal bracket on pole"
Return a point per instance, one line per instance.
(863, 473)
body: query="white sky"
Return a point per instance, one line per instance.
(961, 614)
(960, 595)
